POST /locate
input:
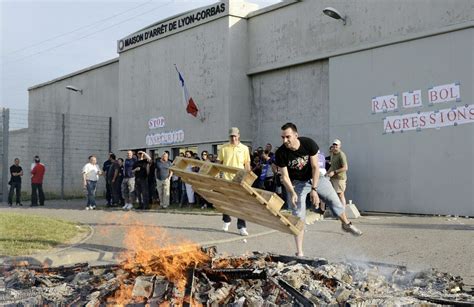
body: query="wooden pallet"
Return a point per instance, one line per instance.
(236, 197)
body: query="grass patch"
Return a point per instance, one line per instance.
(22, 234)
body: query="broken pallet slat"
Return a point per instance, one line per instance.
(237, 197)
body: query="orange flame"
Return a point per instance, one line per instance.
(153, 252)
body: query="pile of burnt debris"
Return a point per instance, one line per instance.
(255, 280)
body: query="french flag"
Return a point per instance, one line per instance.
(191, 107)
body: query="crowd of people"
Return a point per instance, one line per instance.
(297, 171)
(138, 181)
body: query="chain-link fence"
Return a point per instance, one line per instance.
(62, 141)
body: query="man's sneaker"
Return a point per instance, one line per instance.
(88, 207)
(352, 229)
(125, 206)
(93, 207)
(243, 231)
(225, 227)
(318, 210)
(129, 206)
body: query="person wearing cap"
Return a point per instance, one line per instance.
(234, 154)
(37, 175)
(299, 165)
(338, 169)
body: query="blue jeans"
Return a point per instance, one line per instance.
(91, 188)
(325, 192)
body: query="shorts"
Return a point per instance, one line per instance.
(339, 185)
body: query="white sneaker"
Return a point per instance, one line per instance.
(125, 206)
(225, 227)
(129, 207)
(93, 207)
(88, 207)
(243, 231)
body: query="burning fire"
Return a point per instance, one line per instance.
(153, 252)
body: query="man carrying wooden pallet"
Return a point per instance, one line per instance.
(234, 154)
(300, 175)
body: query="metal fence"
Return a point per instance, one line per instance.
(62, 141)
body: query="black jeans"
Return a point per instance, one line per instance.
(108, 191)
(37, 191)
(240, 223)
(141, 190)
(15, 186)
(116, 192)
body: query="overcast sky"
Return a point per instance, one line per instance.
(44, 40)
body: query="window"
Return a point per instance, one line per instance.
(176, 151)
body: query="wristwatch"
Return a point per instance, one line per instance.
(314, 188)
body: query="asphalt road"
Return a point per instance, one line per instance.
(418, 242)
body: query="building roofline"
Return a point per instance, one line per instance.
(270, 8)
(261, 11)
(108, 62)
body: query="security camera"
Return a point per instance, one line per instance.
(333, 13)
(73, 88)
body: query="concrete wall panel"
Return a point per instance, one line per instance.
(299, 95)
(430, 171)
(149, 85)
(301, 30)
(86, 125)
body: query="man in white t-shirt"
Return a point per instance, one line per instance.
(90, 174)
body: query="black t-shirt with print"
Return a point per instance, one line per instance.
(297, 161)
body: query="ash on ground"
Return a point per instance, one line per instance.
(256, 280)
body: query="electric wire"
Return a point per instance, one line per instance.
(85, 36)
(75, 30)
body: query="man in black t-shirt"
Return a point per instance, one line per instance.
(141, 168)
(300, 175)
(15, 182)
(108, 186)
(112, 177)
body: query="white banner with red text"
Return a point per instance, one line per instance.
(429, 120)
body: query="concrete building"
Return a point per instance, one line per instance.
(385, 81)
(65, 127)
